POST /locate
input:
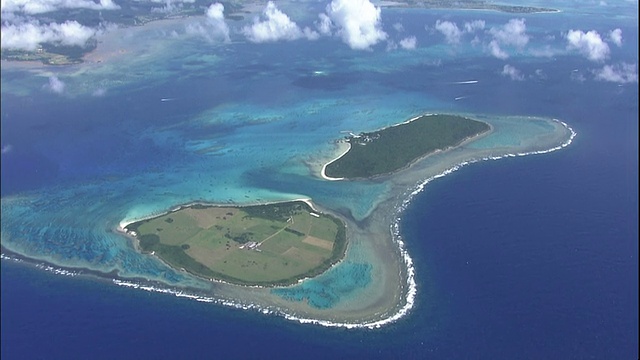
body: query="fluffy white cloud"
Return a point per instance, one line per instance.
(42, 6)
(275, 25)
(399, 27)
(56, 85)
(215, 16)
(215, 12)
(214, 28)
(616, 36)
(357, 22)
(494, 48)
(512, 73)
(324, 25)
(450, 31)
(589, 44)
(453, 34)
(73, 33)
(512, 33)
(408, 43)
(621, 73)
(28, 36)
(474, 25)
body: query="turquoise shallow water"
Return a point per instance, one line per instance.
(529, 257)
(240, 124)
(326, 291)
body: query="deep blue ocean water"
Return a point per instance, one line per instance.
(519, 258)
(525, 258)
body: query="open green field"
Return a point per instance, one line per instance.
(274, 244)
(393, 148)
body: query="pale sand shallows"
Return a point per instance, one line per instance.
(388, 294)
(343, 147)
(126, 222)
(375, 241)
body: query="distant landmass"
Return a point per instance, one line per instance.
(134, 13)
(131, 13)
(471, 5)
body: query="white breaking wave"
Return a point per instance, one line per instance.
(57, 271)
(7, 257)
(266, 310)
(410, 283)
(42, 266)
(421, 186)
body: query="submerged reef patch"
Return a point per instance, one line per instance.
(326, 291)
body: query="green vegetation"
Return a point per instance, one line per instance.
(474, 5)
(275, 244)
(51, 54)
(396, 147)
(131, 13)
(137, 13)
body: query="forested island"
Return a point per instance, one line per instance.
(393, 148)
(261, 245)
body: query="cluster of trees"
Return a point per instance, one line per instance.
(396, 147)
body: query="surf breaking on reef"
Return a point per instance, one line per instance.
(395, 230)
(410, 283)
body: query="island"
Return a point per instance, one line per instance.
(393, 148)
(128, 14)
(471, 5)
(258, 245)
(279, 244)
(235, 151)
(138, 13)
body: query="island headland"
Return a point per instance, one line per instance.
(260, 245)
(279, 244)
(393, 148)
(369, 281)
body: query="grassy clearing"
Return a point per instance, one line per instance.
(273, 244)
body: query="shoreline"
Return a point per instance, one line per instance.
(341, 153)
(121, 229)
(393, 212)
(461, 143)
(371, 316)
(124, 223)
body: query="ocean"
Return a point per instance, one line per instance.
(533, 257)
